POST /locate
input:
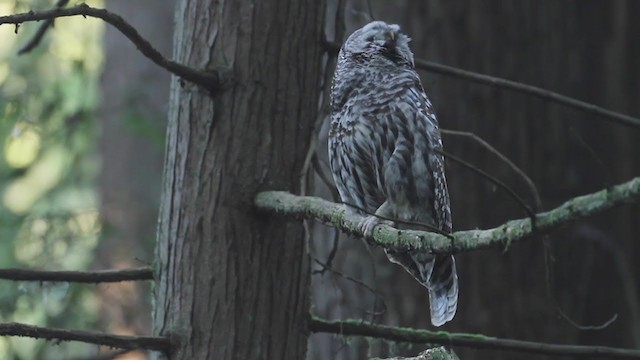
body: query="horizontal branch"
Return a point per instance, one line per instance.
(352, 327)
(101, 276)
(328, 213)
(527, 89)
(214, 80)
(92, 337)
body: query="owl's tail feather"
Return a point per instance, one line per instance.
(438, 274)
(443, 290)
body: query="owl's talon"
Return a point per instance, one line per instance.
(368, 225)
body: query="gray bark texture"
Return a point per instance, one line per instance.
(232, 283)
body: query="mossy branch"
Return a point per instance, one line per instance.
(328, 213)
(437, 353)
(352, 327)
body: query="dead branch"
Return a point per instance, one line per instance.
(493, 180)
(135, 274)
(39, 35)
(328, 213)
(91, 337)
(214, 80)
(530, 184)
(351, 327)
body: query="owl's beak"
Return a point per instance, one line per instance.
(390, 39)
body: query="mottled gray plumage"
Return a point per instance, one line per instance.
(382, 144)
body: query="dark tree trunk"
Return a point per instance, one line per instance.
(233, 284)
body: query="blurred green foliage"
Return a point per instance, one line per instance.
(48, 170)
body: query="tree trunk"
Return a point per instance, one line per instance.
(233, 284)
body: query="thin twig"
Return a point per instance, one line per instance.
(91, 337)
(504, 158)
(332, 253)
(548, 249)
(91, 277)
(39, 35)
(540, 93)
(324, 107)
(373, 291)
(317, 166)
(624, 270)
(292, 206)
(358, 328)
(494, 181)
(320, 170)
(572, 322)
(497, 82)
(323, 113)
(214, 80)
(605, 172)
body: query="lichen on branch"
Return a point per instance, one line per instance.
(335, 215)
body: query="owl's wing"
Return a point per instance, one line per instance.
(417, 152)
(351, 160)
(427, 117)
(442, 207)
(413, 173)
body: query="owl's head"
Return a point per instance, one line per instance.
(378, 43)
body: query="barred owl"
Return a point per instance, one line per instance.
(383, 143)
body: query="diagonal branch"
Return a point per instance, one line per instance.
(328, 213)
(527, 89)
(214, 80)
(92, 337)
(352, 327)
(39, 35)
(495, 181)
(530, 184)
(91, 277)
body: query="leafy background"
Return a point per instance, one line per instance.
(49, 216)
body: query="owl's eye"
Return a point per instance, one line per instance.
(370, 38)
